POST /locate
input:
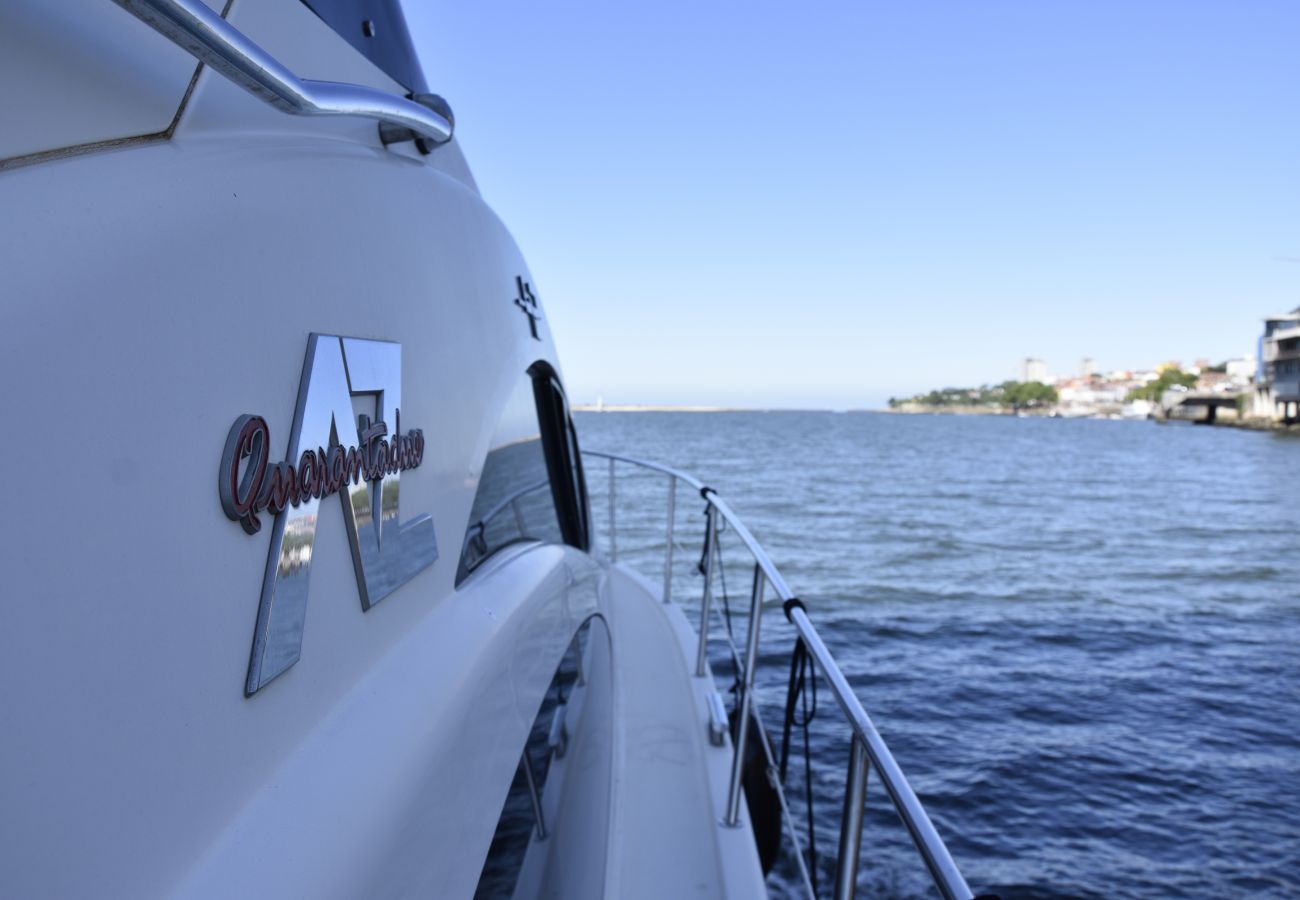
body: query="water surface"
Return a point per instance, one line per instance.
(1079, 638)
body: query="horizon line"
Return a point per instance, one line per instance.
(696, 408)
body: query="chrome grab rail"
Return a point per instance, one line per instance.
(205, 35)
(868, 747)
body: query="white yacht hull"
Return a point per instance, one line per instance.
(164, 266)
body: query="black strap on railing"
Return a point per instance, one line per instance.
(700, 566)
(803, 682)
(718, 528)
(704, 550)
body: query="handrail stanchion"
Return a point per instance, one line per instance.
(746, 695)
(855, 804)
(613, 541)
(519, 516)
(710, 538)
(534, 797)
(668, 539)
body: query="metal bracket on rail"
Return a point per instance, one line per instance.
(396, 134)
(718, 726)
(558, 738)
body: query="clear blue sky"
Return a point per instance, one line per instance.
(825, 204)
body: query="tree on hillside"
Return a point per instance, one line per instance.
(1168, 378)
(1027, 394)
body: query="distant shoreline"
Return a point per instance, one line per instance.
(916, 410)
(652, 407)
(911, 409)
(661, 407)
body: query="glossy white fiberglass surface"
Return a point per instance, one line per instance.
(63, 82)
(150, 296)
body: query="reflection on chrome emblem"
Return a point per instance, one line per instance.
(322, 460)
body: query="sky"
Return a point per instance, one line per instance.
(825, 205)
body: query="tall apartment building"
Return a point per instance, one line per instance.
(1277, 389)
(1033, 370)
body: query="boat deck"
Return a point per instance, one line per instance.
(667, 833)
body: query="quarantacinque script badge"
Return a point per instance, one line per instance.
(331, 451)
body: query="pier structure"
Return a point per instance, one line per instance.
(1201, 407)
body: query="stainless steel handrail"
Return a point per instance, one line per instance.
(773, 776)
(868, 750)
(201, 32)
(931, 847)
(646, 464)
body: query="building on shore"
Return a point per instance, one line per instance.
(1242, 369)
(1277, 383)
(1033, 370)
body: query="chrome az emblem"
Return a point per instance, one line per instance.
(326, 456)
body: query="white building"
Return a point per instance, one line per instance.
(1277, 390)
(1088, 367)
(1033, 370)
(1242, 370)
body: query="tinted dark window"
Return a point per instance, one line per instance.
(514, 500)
(532, 486)
(377, 28)
(569, 487)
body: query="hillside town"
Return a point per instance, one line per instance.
(1260, 389)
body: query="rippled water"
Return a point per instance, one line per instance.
(1079, 638)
